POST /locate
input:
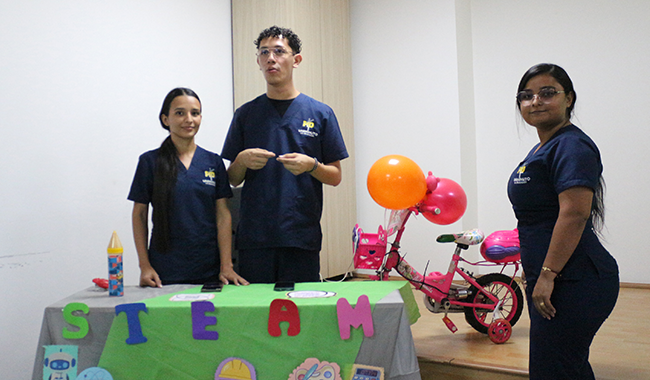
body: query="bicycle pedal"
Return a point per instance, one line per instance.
(450, 325)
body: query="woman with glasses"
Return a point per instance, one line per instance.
(187, 187)
(557, 196)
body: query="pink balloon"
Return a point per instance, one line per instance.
(446, 204)
(432, 182)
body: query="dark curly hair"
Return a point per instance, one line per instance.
(276, 32)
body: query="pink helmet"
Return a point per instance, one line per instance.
(501, 246)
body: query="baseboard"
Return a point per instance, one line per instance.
(431, 370)
(635, 285)
(363, 276)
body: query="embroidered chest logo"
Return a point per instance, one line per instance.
(210, 177)
(307, 128)
(521, 180)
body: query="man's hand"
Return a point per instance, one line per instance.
(296, 163)
(254, 158)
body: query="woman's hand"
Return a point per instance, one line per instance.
(542, 294)
(575, 209)
(140, 217)
(229, 275)
(149, 277)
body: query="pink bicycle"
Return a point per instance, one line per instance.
(492, 303)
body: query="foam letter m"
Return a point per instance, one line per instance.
(354, 317)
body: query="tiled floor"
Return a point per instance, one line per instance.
(621, 349)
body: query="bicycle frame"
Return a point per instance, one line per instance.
(436, 285)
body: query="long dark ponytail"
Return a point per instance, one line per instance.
(165, 175)
(598, 207)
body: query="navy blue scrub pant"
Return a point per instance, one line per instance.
(270, 265)
(559, 348)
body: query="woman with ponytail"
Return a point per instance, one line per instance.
(556, 192)
(187, 187)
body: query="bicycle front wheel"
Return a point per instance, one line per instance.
(503, 287)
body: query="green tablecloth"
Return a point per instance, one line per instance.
(242, 315)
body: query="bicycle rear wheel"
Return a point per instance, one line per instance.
(506, 290)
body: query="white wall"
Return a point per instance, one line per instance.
(415, 62)
(82, 85)
(603, 47)
(405, 82)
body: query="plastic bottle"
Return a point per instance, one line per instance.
(115, 273)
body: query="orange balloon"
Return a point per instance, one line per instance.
(396, 182)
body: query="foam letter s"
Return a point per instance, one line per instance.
(74, 320)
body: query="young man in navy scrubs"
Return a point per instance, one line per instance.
(283, 146)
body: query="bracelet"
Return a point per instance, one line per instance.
(315, 165)
(547, 269)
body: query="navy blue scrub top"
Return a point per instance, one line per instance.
(570, 158)
(194, 251)
(279, 209)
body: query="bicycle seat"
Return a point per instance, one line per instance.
(469, 237)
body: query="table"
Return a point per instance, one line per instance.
(391, 345)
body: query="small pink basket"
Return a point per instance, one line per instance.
(370, 249)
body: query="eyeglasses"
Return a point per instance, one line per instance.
(545, 95)
(277, 52)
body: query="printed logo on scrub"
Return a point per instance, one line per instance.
(307, 128)
(521, 180)
(210, 174)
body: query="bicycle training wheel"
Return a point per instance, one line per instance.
(506, 290)
(499, 331)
